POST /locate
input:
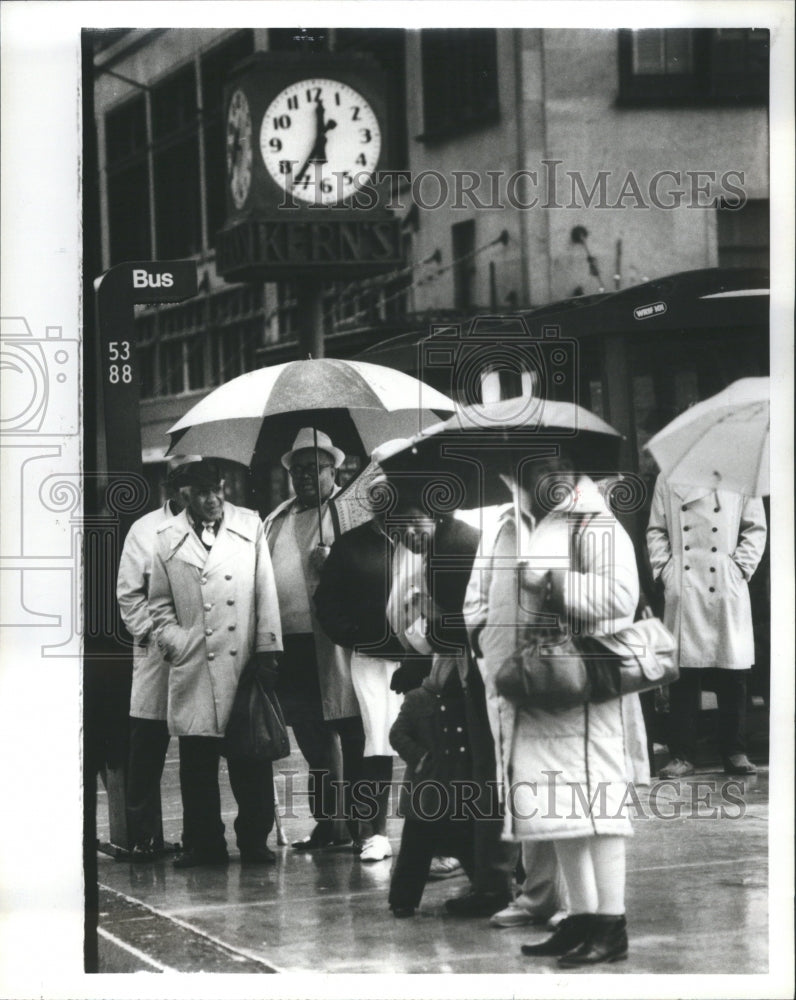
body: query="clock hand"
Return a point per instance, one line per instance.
(318, 151)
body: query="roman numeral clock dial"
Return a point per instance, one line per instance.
(320, 141)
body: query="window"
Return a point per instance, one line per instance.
(128, 181)
(743, 235)
(696, 66)
(175, 135)
(463, 240)
(460, 82)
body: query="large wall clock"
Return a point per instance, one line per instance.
(320, 140)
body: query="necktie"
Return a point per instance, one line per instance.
(208, 533)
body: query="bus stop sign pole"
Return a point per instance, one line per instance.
(117, 291)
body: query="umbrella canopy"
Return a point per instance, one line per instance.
(720, 443)
(256, 416)
(457, 463)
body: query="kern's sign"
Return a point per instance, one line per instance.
(271, 249)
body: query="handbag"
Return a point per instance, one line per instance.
(256, 728)
(638, 658)
(555, 670)
(547, 671)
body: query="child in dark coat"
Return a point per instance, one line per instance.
(430, 734)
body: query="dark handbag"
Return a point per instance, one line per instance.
(256, 728)
(639, 658)
(548, 672)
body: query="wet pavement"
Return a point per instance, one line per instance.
(697, 896)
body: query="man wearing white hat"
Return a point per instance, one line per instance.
(314, 686)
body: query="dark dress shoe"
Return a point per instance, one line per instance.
(475, 904)
(607, 942)
(322, 836)
(259, 856)
(739, 763)
(402, 912)
(570, 933)
(201, 859)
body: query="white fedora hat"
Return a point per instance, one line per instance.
(306, 438)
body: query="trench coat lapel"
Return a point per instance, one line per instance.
(233, 528)
(185, 544)
(688, 494)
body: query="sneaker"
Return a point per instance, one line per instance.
(514, 915)
(375, 848)
(676, 768)
(444, 868)
(739, 763)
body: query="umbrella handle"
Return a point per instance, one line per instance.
(318, 486)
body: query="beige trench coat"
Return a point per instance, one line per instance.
(150, 691)
(705, 545)
(338, 698)
(211, 611)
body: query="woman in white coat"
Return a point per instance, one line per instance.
(565, 774)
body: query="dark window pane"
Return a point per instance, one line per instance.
(743, 235)
(177, 199)
(128, 214)
(460, 86)
(174, 104)
(463, 239)
(125, 131)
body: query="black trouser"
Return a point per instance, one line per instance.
(371, 795)
(495, 860)
(422, 840)
(149, 741)
(252, 784)
(299, 694)
(684, 702)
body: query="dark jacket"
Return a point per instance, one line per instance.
(351, 598)
(448, 571)
(430, 734)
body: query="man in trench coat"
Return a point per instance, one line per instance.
(705, 545)
(214, 605)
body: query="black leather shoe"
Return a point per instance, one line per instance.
(475, 904)
(201, 859)
(259, 856)
(607, 942)
(321, 837)
(739, 763)
(570, 933)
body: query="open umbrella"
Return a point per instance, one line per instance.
(720, 443)
(458, 463)
(256, 416)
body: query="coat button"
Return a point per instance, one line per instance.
(208, 631)
(444, 729)
(230, 601)
(715, 510)
(204, 579)
(712, 590)
(687, 567)
(208, 607)
(233, 652)
(442, 708)
(459, 729)
(714, 529)
(687, 548)
(231, 627)
(712, 569)
(227, 576)
(713, 549)
(684, 507)
(211, 656)
(686, 527)
(447, 753)
(461, 750)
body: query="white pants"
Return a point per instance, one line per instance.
(378, 705)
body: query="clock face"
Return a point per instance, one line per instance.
(320, 140)
(239, 148)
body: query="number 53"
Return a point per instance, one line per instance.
(114, 349)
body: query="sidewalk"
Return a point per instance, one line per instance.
(696, 897)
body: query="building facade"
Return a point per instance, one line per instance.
(529, 166)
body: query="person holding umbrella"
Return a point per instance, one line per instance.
(314, 686)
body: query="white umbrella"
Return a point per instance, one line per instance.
(257, 415)
(720, 443)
